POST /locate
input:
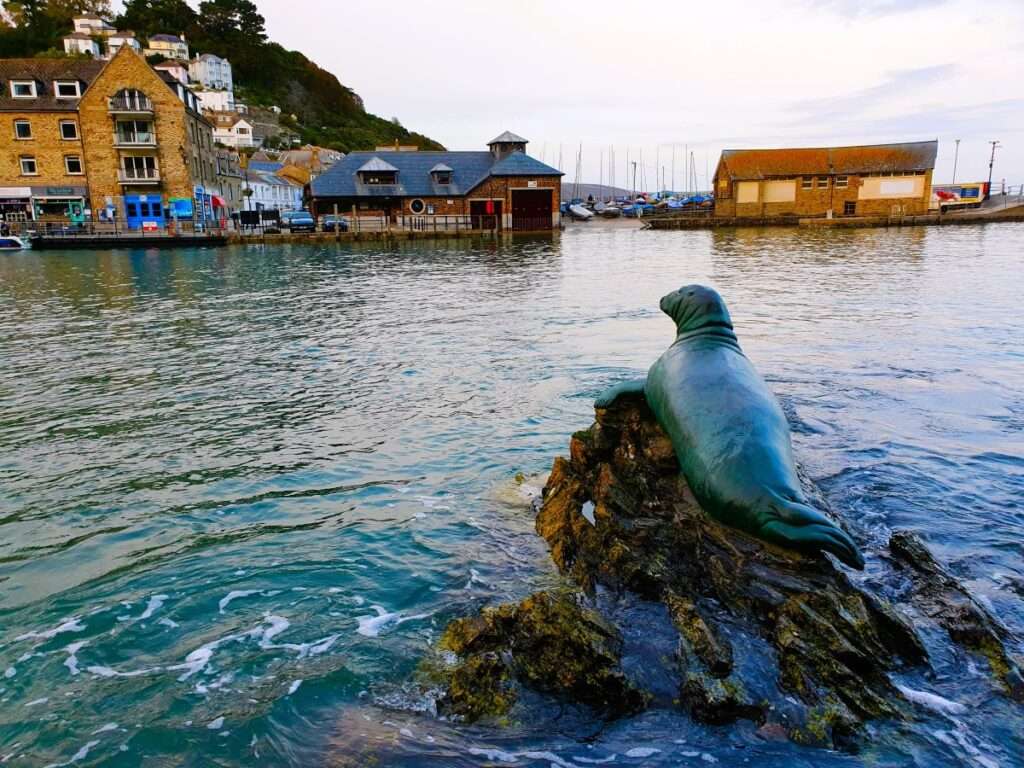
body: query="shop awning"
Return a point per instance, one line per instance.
(219, 202)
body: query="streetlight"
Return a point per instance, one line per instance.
(991, 162)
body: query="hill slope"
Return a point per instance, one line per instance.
(329, 113)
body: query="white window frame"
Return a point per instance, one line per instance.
(73, 124)
(806, 182)
(821, 182)
(67, 168)
(31, 159)
(30, 83)
(58, 83)
(23, 122)
(842, 182)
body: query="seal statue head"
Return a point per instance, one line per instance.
(696, 308)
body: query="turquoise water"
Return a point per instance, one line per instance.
(243, 490)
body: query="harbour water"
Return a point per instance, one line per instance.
(243, 490)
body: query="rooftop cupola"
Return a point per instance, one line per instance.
(376, 171)
(504, 145)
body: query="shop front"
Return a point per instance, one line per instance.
(59, 204)
(16, 204)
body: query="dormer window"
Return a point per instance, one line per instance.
(441, 174)
(23, 89)
(67, 89)
(377, 172)
(380, 177)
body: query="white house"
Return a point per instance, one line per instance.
(168, 46)
(270, 191)
(217, 101)
(79, 42)
(212, 71)
(175, 69)
(231, 129)
(117, 39)
(91, 24)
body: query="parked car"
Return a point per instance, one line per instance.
(298, 221)
(334, 224)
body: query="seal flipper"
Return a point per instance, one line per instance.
(801, 527)
(607, 398)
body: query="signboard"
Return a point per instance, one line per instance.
(60, 190)
(19, 192)
(531, 184)
(897, 188)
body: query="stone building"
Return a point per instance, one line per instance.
(874, 180)
(42, 160)
(148, 150)
(502, 187)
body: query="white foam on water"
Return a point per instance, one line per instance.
(168, 622)
(71, 662)
(155, 603)
(494, 754)
(595, 761)
(37, 701)
(105, 728)
(406, 732)
(216, 724)
(641, 751)
(10, 672)
(932, 701)
(588, 513)
(474, 578)
(294, 687)
(550, 757)
(81, 754)
(372, 626)
(234, 594)
(708, 758)
(69, 625)
(101, 671)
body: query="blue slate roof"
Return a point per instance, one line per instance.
(519, 164)
(469, 169)
(267, 166)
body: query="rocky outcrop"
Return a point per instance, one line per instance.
(765, 634)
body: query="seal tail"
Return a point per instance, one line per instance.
(803, 528)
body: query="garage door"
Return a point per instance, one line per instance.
(531, 209)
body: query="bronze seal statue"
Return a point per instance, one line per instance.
(730, 436)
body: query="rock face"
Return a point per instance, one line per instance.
(764, 634)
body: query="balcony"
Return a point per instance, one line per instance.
(135, 176)
(140, 139)
(130, 105)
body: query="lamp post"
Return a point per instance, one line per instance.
(956, 156)
(991, 162)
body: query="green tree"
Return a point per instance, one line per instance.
(148, 17)
(232, 20)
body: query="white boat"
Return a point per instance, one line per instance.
(579, 212)
(12, 243)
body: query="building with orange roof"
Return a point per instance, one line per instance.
(871, 180)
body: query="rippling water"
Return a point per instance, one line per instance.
(243, 490)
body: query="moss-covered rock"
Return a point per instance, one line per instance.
(550, 643)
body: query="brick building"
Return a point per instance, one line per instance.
(148, 150)
(875, 180)
(502, 187)
(42, 161)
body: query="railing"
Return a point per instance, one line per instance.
(117, 228)
(531, 223)
(138, 176)
(147, 139)
(133, 104)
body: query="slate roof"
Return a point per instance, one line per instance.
(414, 173)
(166, 38)
(44, 72)
(376, 164)
(876, 158)
(507, 138)
(441, 168)
(268, 166)
(520, 164)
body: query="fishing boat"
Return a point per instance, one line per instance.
(611, 212)
(12, 243)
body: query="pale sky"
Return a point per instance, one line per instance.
(702, 75)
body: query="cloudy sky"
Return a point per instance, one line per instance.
(671, 76)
